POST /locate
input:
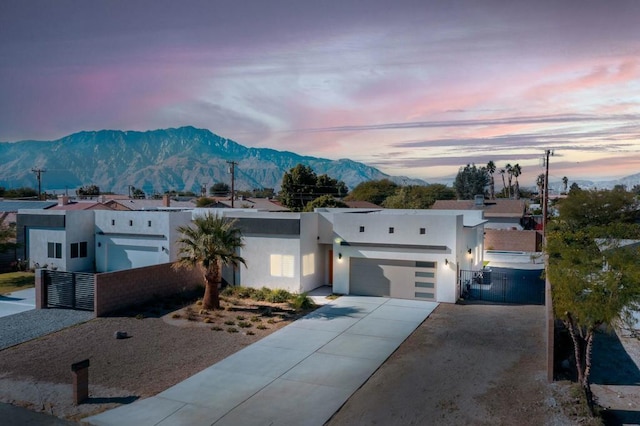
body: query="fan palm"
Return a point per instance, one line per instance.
(517, 171)
(210, 244)
(491, 169)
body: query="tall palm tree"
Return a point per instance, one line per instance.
(517, 171)
(540, 184)
(565, 183)
(491, 169)
(504, 185)
(509, 169)
(209, 245)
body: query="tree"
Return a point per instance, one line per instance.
(210, 244)
(136, 193)
(373, 191)
(597, 208)
(509, 169)
(328, 201)
(88, 191)
(565, 183)
(300, 185)
(470, 181)
(517, 171)
(7, 236)
(18, 192)
(504, 185)
(491, 169)
(219, 189)
(419, 197)
(590, 288)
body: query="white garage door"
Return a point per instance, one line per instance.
(403, 279)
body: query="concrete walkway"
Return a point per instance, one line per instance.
(17, 301)
(299, 375)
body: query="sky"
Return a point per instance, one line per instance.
(414, 88)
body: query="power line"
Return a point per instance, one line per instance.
(38, 173)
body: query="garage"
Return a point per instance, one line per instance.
(403, 279)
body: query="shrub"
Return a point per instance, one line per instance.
(140, 316)
(208, 320)
(262, 294)
(232, 330)
(262, 327)
(230, 322)
(175, 316)
(216, 328)
(301, 302)
(244, 324)
(250, 333)
(255, 319)
(279, 296)
(271, 321)
(240, 317)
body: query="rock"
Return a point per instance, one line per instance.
(121, 335)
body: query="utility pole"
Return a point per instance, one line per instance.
(545, 206)
(232, 170)
(38, 173)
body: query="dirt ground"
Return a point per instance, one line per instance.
(466, 364)
(162, 348)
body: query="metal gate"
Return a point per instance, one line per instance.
(74, 290)
(503, 285)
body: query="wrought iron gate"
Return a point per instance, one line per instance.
(74, 290)
(503, 285)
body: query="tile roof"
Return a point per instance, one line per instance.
(15, 205)
(492, 208)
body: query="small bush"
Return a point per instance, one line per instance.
(232, 330)
(255, 319)
(301, 302)
(271, 321)
(240, 317)
(175, 316)
(262, 327)
(199, 302)
(244, 324)
(203, 312)
(140, 316)
(279, 296)
(262, 294)
(230, 322)
(216, 328)
(219, 315)
(208, 320)
(250, 333)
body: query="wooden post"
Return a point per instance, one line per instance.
(80, 373)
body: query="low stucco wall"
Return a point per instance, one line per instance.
(121, 289)
(512, 240)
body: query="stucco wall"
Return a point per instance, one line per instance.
(122, 289)
(512, 240)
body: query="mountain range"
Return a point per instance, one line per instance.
(156, 161)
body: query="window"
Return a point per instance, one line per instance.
(78, 249)
(54, 250)
(362, 229)
(113, 222)
(149, 223)
(131, 223)
(282, 265)
(308, 264)
(423, 231)
(391, 230)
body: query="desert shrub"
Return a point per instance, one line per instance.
(301, 302)
(279, 296)
(216, 328)
(228, 291)
(230, 322)
(250, 333)
(240, 317)
(255, 319)
(140, 316)
(175, 316)
(271, 321)
(207, 320)
(262, 327)
(244, 324)
(232, 330)
(262, 294)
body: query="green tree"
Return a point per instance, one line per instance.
(419, 197)
(470, 181)
(324, 201)
(540, 184)
(300, 185)
(210, 244)
(373, 191)
(18, 193)
(219, 189)
(517, 171)
(504, 185)
(491, 169)
(593, 285)
(88, 191)
(565, 183)
(7, 236)
(509, 169)
(589, 208)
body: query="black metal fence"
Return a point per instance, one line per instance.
(73, 290)
(503, 285)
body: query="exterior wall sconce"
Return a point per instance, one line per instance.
(446, 261)
(339, 255)
(468, 251)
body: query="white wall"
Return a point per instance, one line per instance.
(37, 239)
(80, 228)
(258, 252)
(312, 255)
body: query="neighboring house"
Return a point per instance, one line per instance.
(165, 203)
(261, 204)
(65, 203)
(126, 240)
(59, 239)
(500, 213)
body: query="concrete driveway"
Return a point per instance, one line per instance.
(299, 375)
(17, 301)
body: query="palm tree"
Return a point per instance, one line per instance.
(504, 185)
(210, 245)
(540, 184)
(565, 183)
(517, 171)
(491, 169)
(509, 169)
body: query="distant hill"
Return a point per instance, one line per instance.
(180, 159)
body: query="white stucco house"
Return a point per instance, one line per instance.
(410, 254)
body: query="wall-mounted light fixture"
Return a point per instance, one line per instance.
(339, 255)
(446, 261)
(468, 251)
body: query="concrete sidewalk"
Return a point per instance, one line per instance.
(299, 375)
